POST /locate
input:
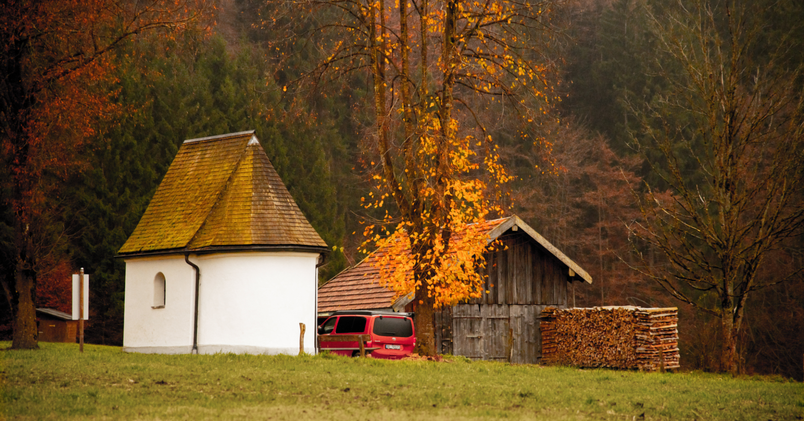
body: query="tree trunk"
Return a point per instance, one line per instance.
(728, 357)
(424, 320)
(17, 99)
(25, 331)
(23, 296)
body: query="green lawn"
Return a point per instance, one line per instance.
(57, 382)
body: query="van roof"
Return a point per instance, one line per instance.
(370, 313)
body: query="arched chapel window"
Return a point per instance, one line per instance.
(159, 290)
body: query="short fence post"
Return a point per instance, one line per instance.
(301, 338)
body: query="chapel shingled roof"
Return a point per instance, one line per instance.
(221, 192)
(358, 287)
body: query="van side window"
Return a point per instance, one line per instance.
(351, 324)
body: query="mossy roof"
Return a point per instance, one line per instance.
(221, 193)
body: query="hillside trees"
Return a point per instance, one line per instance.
(583, 207)
(730, 141)
(202, 87)
(335, 109)
(439, 71)
(55, 66)
(608, 63)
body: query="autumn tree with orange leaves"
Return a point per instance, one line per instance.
(56, 72)
(441, 73)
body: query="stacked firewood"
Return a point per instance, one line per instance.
(616, 337)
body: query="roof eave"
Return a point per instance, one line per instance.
(401, 302)
(55, 313)
(228, 249)
(516, 221)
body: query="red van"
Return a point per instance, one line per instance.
(391, 335)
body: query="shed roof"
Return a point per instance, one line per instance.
(221, 193)
(54, 313)
(358, 288)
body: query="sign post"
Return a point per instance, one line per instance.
(80, 303)
(81, 310)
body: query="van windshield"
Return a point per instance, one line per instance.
(393, 326)
(328, 325)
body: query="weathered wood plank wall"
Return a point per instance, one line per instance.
(523, 273)
(503, 324)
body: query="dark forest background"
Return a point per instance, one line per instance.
(237, 78)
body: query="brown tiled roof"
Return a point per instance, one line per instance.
(355, 289)
(358, 288)
(221, 192)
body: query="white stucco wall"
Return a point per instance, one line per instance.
(250, 302)
(164, 330)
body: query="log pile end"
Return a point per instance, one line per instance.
(616, 337)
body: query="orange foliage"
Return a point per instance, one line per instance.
(458, 270)
(443, 74)
(450, 250)
(438, 68)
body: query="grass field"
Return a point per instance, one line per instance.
(57, 382)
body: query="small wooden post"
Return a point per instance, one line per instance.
(362, 345)
(301, 338)
(573, 293)
(81, 310)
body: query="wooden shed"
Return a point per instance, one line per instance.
(56, 326)
(524, 276)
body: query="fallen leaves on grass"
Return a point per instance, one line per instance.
(417, 357)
